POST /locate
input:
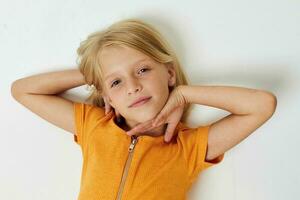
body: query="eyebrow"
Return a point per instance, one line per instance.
(139, 61)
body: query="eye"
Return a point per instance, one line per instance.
(146, 69)
(112, 85)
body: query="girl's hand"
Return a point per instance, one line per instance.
(108, 107)
(170, 114)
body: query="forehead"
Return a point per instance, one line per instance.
(113, 59)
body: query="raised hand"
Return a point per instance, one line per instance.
(170, 114)
(108, 107)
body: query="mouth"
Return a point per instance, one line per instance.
(140, 103)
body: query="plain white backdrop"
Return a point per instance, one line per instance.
(254, 43)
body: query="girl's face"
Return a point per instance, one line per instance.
(128, 75)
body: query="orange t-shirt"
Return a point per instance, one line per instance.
(155, 171)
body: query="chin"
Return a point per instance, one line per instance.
(143, 117)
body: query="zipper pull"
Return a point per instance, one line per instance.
(133, 143)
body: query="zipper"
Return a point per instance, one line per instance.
(128, 162)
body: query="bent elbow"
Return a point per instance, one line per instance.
(15, 89)
(270, 103)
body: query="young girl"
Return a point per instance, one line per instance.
(134, 141)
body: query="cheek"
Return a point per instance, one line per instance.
(161, 91)
(116, 98)
(159, 83)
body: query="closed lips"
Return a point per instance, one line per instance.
(139, 100)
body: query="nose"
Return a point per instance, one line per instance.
(133, 86)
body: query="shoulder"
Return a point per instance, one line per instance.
(183, 129)
(193, 138)
(87, 111)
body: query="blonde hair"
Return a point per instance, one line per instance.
(133, 33)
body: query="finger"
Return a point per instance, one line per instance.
(169, 132)
(137, 129)
(161, 117)
(159, 120)
(106, 105)
(142, 127)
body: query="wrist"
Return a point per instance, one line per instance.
(182, 91)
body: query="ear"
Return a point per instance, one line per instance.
(171, 74)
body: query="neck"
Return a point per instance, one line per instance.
(155, 132)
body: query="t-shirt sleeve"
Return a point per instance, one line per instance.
(195, 149)
(86, 118)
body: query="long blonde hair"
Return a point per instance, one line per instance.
(133, 33)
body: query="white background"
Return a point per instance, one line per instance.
(254, 43)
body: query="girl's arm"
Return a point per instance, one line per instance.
(250, 109)
(39, 93)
